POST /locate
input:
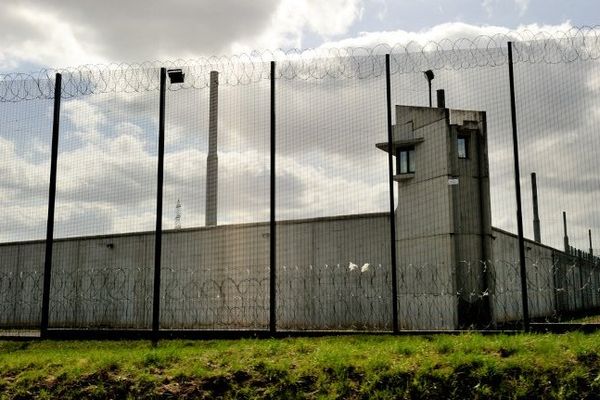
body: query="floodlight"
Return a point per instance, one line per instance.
(176, 75)
(429, 75)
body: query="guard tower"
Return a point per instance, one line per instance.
(443, 219)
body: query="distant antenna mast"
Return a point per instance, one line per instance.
(178, 215)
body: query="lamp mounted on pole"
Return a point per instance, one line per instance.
(429, 76)
(175, 76)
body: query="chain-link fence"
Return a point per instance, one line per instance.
(336, 189)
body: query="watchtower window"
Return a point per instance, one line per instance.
(405, 160)
(462, 144)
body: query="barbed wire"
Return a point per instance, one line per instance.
(308, 297)
(577, 43)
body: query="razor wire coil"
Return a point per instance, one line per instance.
(578, 43)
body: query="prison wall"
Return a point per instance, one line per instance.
(559, 285)
(505, 278)
(332, 273)
(21, 282)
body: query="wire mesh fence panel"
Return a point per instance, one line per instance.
(216, 254)
(457, 262)
(103, 256)
(25, 138)
(453, 181)
(333, 228)
(558, 119)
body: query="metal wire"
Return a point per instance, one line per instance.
(578, 43)
(230, 290)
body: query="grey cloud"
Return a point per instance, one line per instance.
(22, 222)
(80, 218)
(139, 30)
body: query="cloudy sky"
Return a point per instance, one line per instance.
(60, 33)
(327, 162)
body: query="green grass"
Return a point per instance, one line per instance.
(359, 367)
(591, 319)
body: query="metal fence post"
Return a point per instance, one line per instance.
(513, 114)
(159, 206)
(51, 204)
(388, 96)
(273, 241)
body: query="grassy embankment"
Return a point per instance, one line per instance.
(465, 366)
(593, 319)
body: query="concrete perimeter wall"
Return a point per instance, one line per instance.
(332, 273)
(558, 285)
(213, 278)
(505, 278)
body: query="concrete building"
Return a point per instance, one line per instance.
(454, 269)
(443, 217)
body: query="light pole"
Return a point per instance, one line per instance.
(429, 76)
(175, 76)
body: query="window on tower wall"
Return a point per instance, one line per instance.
(405, 160)
(462, 143)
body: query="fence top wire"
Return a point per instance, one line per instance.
(578, 43)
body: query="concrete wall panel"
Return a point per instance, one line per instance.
(217, 278)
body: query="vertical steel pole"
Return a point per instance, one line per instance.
(429, 83)
(159, 205)
(273, 241)
(536, 216)
(566, 236)
(51, 204)
(388, 96)
(513, 114)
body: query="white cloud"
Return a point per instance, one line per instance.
(83, 114)
(43, 37)
(23, 189)
(16, 174)
(450, 31)
(293, 18)
(72, 32)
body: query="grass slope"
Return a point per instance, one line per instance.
(348, 367)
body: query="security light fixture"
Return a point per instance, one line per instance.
(176, 75)
(429, 75)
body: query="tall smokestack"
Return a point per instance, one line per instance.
(536, 216)
(212, 162)
(566, 238)
(591, 247)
